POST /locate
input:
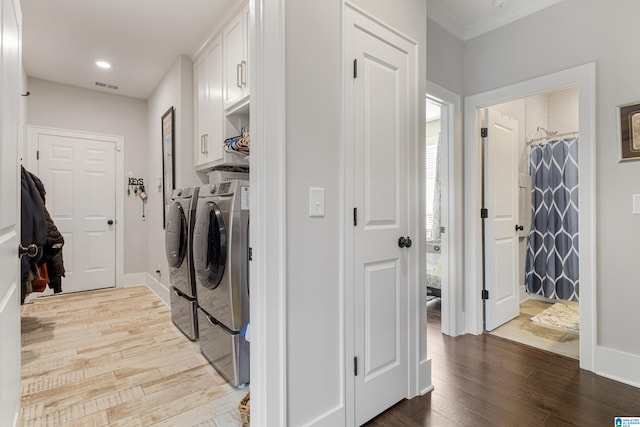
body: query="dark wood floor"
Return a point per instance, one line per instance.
(489, 381)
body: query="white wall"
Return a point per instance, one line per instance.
(313, 151)
(558, 38)
(174, 90)
(315, 358)
(445, 58)
(68, 107)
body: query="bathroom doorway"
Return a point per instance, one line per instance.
(583, 78)
(539, 304)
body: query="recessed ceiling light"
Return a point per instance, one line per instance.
(103, 64)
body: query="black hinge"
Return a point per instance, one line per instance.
(485, 294)
(355, 68)
(355, 217)
(484, 132)
(37, 154)
(484, 213)
(250, 254)
(355, 366)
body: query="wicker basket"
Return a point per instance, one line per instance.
(245, 410)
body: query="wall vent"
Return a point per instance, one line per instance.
(106, 86)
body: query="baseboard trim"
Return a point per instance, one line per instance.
(618, 366)
(425, 382)
(131, 279)
(158, 288)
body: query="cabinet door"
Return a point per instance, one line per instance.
(234, 47)
(202, 105)
(208, 77)
(245, 65)
(214, 140)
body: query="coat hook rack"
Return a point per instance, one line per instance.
(134, 183)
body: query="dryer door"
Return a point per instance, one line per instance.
(209, 245)
(176, 236)
(176, 245)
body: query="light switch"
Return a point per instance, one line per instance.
(316, 201)
(636, 204)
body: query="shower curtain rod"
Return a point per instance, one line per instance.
(532, 140)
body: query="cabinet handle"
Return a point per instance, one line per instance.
(238, 75)
(206, 144)
(243, 74)
(202, 144)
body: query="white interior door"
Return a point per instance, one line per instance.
(381, 176)
(9, 213)
(501, 236)
(78, 172)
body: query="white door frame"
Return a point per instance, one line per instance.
(584, 77)
(268, 213)
(452, 316)
(32, 164)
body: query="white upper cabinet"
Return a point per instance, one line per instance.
(209, 114)
(236, 59)
(221, 94)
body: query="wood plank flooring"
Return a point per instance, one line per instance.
(113, 357)
(489, 381)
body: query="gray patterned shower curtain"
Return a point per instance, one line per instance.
(552, 247)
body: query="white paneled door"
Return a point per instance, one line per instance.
(78, 172)
(10, 281)
(501, 236)
(383, 253)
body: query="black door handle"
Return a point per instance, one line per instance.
(405, 242)
(31, 250)
(110, 222)
(519, 227)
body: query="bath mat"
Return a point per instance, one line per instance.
(560, 315)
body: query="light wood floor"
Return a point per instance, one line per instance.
(113, 357)
(545, 337)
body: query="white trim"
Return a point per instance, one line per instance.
(133, 279)
(31, 163)
(618, 366)
(464, 32)
(452, 315)
(584, 77)
(268, 229)
(157, 288)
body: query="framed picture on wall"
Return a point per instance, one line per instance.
(629, 119)
(167, 161)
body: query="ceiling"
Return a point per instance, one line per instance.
(467, 19)
(62, 39)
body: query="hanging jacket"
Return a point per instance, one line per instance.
(33, 227)
(52, 251)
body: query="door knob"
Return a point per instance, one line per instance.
(519, 227)
(405, 242)
(31, 250)
(110, 222)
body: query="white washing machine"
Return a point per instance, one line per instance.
(179, 252)
(221, 264)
